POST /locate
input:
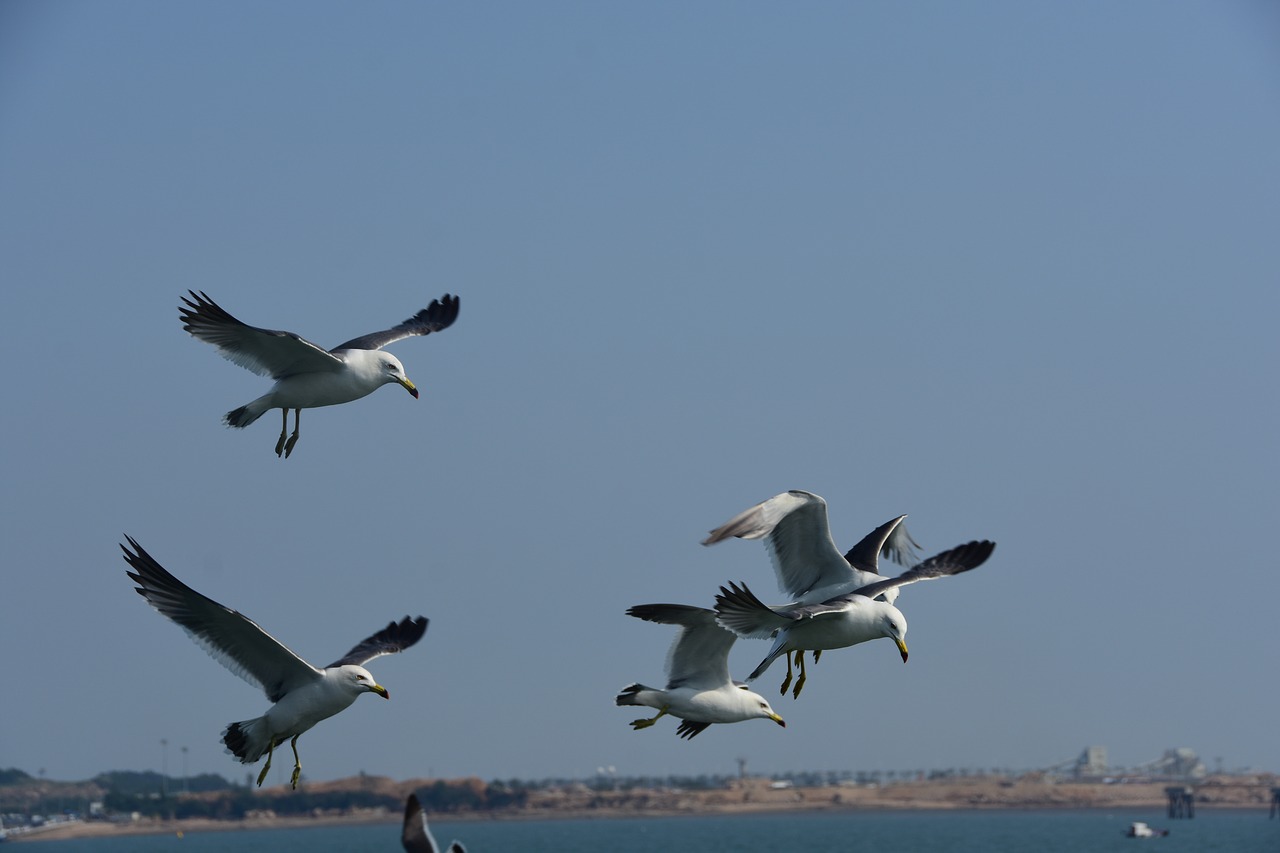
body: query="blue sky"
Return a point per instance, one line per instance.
(1009, 268)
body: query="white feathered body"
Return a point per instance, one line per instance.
(727, 704)
(366, 371)
(859, 621)
(299, 710)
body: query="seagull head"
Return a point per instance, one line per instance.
(393, 371)
(768, 713)
(361, 681)
(895, 628)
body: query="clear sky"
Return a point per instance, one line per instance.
(1010, 268)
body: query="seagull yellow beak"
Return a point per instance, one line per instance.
(778, 720)
(380, 690)
(409, 386)
(902, 647)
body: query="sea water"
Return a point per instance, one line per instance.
(1243, 831)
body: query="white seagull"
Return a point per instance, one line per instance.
(810, 570)
(301, 694)
(307, 375)
(798, 539)
(415, 836)
(699, 690)
(844, 620)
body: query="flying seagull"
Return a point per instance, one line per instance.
(798, 539)
(810, 569)
(301, 694)
(307, 375)
(416, 837)
(844, 620)
(699, 690)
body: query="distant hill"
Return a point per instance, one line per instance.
(14, 776)
(210, 795)
(146, 783)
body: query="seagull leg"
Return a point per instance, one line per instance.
(817, 653)
(293, 439)
(263, 775)
(786, 682)
(800, 680)
(649, 721)
(297, 762)
(284, 431)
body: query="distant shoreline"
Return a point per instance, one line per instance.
(191, 826)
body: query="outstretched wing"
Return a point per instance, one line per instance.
(439, 315)
(264, 351)
(229, 637)
(700, 655)
(959, 559)
(798, 538)
(890, 539)
(396, 637)
(415, 836)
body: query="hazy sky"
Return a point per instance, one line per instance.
(1010, 268)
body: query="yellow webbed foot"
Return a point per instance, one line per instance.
(649, 721)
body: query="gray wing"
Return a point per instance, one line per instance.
(229, 637)
(264, 351)
(797, 537)
(900, 547)
(890, 539)
(415, 836)
(439, 315)
(396, 637)
(700, 655)
(957, 560)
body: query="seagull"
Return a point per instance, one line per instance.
(810, 569)
(798, 539)
(698, 689)
(307, 375)
(416, 837)
(301, 694)
(844, 620)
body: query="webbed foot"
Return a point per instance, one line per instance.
(637, 725)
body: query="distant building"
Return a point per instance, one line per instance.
(1092, 762)
(1180, 763)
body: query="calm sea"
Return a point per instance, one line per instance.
(881, 832)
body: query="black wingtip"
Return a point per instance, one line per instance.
(408, 630)
(689, 730)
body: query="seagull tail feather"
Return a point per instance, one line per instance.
(629, 694)
(245, 415)
(247, 740)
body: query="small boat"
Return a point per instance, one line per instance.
(1138, 829)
